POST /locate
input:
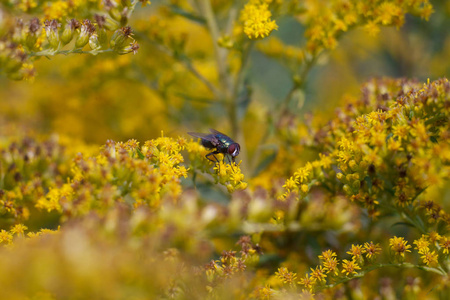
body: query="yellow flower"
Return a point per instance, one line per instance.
(444, 242)
(19, 229)
(256, 17)
(290, 184)
(285, 276)
(422, 244)
(308, 282)
(350, 267)
(399, 246)
(331, 265)
(429, 258)
(303, 173)
(434, 236)
(356, 251)
(326, 255)
(372, 249)
(5, 236)
(318, 273)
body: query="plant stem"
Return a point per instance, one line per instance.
(65, 52)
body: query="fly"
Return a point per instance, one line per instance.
(220, 143)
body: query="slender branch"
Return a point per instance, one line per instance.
(221, 53)
(184, 60)
(66, 52)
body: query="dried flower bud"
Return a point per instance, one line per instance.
(132, 47)
(119, 38)
(94, 42)
(87, 29)
(19, 35)
(51, 31)
(33, 33)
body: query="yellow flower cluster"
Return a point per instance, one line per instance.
(389, 155)
(327, 20)
(229, 175)
(122, 172)
(256, 17)
(17, 232)
(328, 273)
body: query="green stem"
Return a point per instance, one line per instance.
(220, 53)
(65, 52)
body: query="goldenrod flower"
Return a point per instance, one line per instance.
(285, 276)
(19, 229)
(257, 22)
(308, 282)
(5, 236)
(356, 251)
(422, 244)
(350, 267)
(399, 246)
(372, 250)
(326, 255)
(444, 242)
(429, 258)
(318, 274)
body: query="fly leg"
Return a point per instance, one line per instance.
(230, 160)
(215, 158)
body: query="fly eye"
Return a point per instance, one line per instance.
(233, 150)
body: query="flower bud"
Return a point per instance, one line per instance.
(69, 30)
(120, 37)
(347, 189)
(87, 29)
(352, 164)
(19, 35)
(94, 42)
(33, 33)
(51, 31)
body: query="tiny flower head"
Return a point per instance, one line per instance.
(372, 250)
(356, 251)
(308, 282)
(429, 258)
(445, 244)
(399, 246)
(350, 267)
(285, 276)
(318, 273)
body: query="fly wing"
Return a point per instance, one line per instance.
(222, 136)
(205, 136)
(213, 131)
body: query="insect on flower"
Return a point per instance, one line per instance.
(220, 142)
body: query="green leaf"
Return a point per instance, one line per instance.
(434, 140)
(139, 153)
(403, 223)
